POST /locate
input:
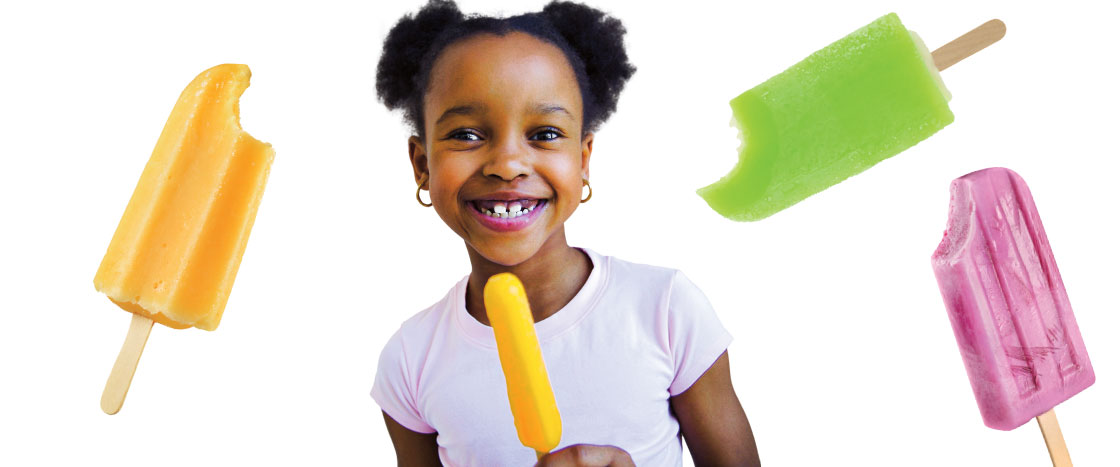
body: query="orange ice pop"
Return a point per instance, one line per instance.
(177, 248)
(530, 393)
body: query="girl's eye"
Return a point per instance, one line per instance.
(546, 135)
(464, 135)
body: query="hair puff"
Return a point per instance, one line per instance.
(598, 40)
(398, 70)
(590, 39)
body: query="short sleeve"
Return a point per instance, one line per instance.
(696, 336)
(393, 388)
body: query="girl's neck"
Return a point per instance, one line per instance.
(552, 277)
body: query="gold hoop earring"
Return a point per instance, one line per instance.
(588, 185)
(423, 180)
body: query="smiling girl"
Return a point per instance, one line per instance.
(504, 112)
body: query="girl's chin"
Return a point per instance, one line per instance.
(505, 254)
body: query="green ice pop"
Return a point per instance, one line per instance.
(862, 99)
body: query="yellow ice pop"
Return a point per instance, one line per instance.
(178, 246)
(530, 393)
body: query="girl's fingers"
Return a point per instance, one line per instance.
(587, 455)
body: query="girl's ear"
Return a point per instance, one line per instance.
(586, 144)
(419, 158)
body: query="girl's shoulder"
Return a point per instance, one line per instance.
(670, 285)
(618, 269)
(438, 313)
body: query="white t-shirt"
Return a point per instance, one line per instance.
(633, 336)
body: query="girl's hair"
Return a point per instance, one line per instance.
(591, 40)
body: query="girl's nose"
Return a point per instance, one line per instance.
(508, 160)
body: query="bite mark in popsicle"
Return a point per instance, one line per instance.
(176, 251)
(1008, 306)
(531, 400)
(843, 109)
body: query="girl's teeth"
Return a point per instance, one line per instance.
(514, 209)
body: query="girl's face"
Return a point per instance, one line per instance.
(503, 148)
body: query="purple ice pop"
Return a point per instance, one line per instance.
(1006, 301)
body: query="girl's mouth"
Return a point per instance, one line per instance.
(507, 215)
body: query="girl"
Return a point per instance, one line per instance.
(504, 112)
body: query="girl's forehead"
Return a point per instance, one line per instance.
(514, 66)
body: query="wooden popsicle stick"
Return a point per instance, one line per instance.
(971, 42)
(121, 377)
(1055, 443)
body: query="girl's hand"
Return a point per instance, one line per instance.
(587, 455)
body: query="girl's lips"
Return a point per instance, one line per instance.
(508, 224)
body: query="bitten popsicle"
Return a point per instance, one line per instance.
(1008, 306)
(178, 246)
(860, 100)
(530, 392)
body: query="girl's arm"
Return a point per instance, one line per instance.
(712, 420)
(412, 448)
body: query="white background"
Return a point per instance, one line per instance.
(843, 352)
